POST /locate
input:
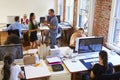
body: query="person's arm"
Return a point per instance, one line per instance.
(30, 26)
(27, 21)
(53, 24)
(93, 71)
(8, 28)
(24, 26)
(21, 20)
(51, 27)
(21, 75)
(72, 40)
(92, 75)
(83, 35)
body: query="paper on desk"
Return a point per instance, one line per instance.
(53, 59)
(32, 50)
(44, 28)
(74, 66)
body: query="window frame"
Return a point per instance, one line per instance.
(70, 20)
(90, 17)
(111, 34)
(60, 8)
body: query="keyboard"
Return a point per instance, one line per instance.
(88, 62)
(91, 60)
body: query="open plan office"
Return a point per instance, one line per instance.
(60, 40)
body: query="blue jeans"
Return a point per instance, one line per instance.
(53, 38)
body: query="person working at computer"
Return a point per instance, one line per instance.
(33, 30)
(10, 70)
(24, 20)
(16, 26)
(53, 27)
(79, 33)
(102, 67)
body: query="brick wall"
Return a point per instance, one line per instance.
(102, 18)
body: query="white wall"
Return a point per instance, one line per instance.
(20, 7)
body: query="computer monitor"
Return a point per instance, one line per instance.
(58, 17)
(16, 50)
(89, 44)
(42, 19)
(48, 18)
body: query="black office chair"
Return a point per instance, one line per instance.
(16, 32)
(59, 35)
(113, 76)
(42, 19)
(8, 25)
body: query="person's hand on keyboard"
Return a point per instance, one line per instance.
(93, 63)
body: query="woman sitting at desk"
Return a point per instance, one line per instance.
(102, 67)
(11, 71)
(33, 32)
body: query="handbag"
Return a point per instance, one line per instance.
(29, 59)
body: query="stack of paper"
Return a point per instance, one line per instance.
(53, 60)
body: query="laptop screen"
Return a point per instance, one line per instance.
(90, 44)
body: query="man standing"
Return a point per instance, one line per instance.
(53, 25)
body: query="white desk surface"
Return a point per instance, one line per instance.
(74, 66)
(30, 51)
(2, 28)
(78, 66)
(46, 28)
(37, 72)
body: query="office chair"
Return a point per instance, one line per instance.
(113, 76)
(8, 25)
(59, 35)
(16, 32)
(42, 19)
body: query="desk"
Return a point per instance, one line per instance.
(37, 72)
(45, 28)
(42, 29)
(77, 66)
(59, 75)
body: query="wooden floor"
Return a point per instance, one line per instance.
(62, 42)
(3, 37)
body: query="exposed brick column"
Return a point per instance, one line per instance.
(64, 9)
(75, 14)
(102, 18)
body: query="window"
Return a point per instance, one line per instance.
(69, 10)
(86, 15)
(84, 6)
(116, 23)
(60, 8)
(114, 31)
